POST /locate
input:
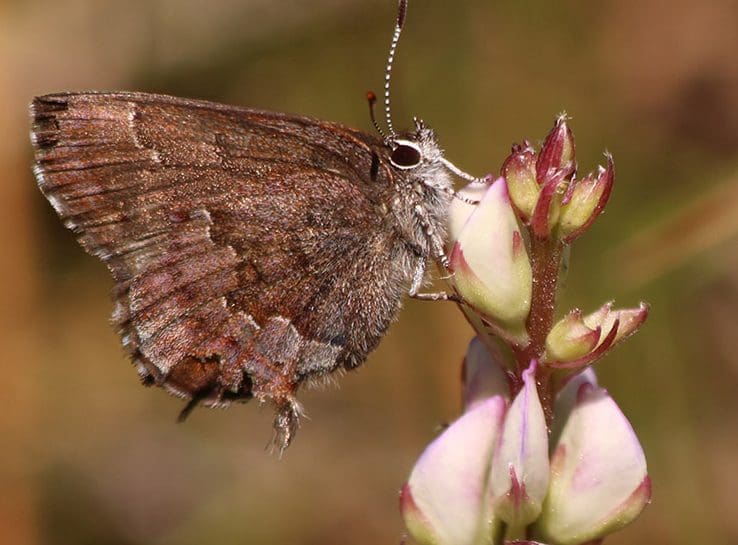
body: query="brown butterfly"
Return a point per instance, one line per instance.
(252, 251)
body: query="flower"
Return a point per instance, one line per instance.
(488, 259)
(518, 479)
(444, 501)
(599, 481)
(492, 464)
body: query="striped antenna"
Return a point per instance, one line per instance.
(372, 99)
(401, 12)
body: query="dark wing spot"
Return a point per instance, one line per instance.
(374, 169)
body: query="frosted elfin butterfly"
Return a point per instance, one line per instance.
(252, 251)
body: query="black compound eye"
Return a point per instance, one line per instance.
(406, 155)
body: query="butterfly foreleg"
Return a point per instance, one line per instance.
(435, 242)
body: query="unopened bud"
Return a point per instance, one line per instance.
(585, 200)
(519, 170)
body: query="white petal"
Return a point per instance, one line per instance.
(444, 501)
(598, 473)
(489, 259)
(483, 376)
(520, 468)
(460, 211)
(567, 398)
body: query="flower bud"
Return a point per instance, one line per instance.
(520, 468)
(444, 501)
(547, 209)
(629, 320)
(571, 339)
(598, 473)
(519, 171)
(557, 156)
(489, 261)
(584, 201)
(577, 341)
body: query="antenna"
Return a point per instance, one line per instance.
(372, 99)
(401, 12)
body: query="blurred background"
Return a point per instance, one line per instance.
(88, 456)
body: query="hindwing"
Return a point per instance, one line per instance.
(250, 249)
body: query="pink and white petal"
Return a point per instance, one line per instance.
(491, 268)
(483, 375)
(599, 481)
(520, 466)
(444, 501)
(566, 399)
(460, 211)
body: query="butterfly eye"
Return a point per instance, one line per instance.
(406, 155)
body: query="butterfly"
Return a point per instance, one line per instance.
(252, 251)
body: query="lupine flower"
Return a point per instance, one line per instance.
(492, 273)
(492, 465)
(599, 481)
(445, 500)
(540, 450)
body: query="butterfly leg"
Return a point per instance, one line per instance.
(436, 244)
(459, 196)
(418, 282)
(190, 406)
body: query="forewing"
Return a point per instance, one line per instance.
(235, 236)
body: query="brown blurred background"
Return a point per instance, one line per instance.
(90, 457)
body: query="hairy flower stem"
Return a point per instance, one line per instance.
(546, 256)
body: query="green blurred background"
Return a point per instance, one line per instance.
(90, 457)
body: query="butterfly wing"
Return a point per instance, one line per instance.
(251, 250)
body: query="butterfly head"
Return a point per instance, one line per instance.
(411, 149)
(418, 158)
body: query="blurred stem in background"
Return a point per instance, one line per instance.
(708, 221)
(19, 332)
